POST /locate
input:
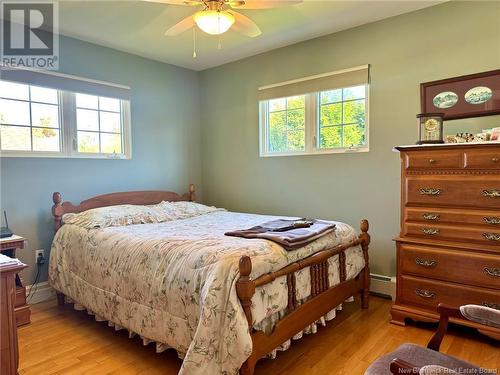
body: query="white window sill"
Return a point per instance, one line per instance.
(317, 152)
(20, 154)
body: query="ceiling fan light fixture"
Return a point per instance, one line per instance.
(213, 22)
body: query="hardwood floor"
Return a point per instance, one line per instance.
(65, 341)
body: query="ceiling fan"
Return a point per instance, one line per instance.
(217, 16)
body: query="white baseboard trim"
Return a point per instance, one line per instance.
(383, 285)
(42, 292)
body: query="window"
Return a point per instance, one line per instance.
(323, 121)
(342, 118)
(287, 124)
(29, 118)
(42, 121)
(98, 124)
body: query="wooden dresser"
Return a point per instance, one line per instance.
(449, 246)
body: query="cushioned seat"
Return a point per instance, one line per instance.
(419, 357)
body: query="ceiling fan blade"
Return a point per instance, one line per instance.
(177, 2)
(244, 25)
(180, 27)
(261, 4)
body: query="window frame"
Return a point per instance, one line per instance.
(312, 128)
(68, 133)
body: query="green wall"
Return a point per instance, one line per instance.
(438, 42)
(165, 145)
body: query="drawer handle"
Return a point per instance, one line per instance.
(491, 193)
(430, 216)
(426, 263)
(430, 231)
(495, 160)
(492, 220)
(432, 161)
(425, 293)
(492, 236)
(430, 191)
(495, 272)
(492, 305)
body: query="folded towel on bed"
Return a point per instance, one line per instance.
(291, 234)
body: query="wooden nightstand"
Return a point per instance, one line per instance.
(8, 246)
(9, 355)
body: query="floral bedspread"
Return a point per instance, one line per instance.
(174, 282)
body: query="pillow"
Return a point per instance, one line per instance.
(436, 370)
(481, 314)
(126, 214)
(184, 210)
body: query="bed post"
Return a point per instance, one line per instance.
(57, 210)
(192, 194)
(245, 289)
(365, 238)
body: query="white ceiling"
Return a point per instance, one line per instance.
(138, 27)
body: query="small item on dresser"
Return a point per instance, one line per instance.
(495, 134)
(291, 234)
(430, 128)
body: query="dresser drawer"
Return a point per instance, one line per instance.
(472, 191)
(453, 233)
(455, 266)
(483, 159)
(434, 159)
(429, 293)
(443, 215)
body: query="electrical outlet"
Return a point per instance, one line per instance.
(40, 256)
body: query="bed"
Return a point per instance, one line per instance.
(221, 302)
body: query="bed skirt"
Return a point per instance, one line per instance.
(266, 325)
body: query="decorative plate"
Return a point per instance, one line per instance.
(445, 99)
(478, 95)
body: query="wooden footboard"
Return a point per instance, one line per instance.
(323, 297)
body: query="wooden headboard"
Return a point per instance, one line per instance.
(129, 197)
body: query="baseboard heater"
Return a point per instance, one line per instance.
(383, 286)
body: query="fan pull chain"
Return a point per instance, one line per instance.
(194, 42)
(219, 46)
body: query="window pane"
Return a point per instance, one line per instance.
(296, 102)
(15, 138)
(331, 96)
(110, 122)
(14, 90)
(111, 143)
(45, 115)
(277, 132)
(45, 139)
(88, 142)
(87, 120)
(354, 112)
(296, 119)
(330, 137)
(109, 104)
(296, 140)
(354, 135)
(14, 112)
(41, 94)
(86, 101)
(331, 114)
(356, 92)
(277, 105)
